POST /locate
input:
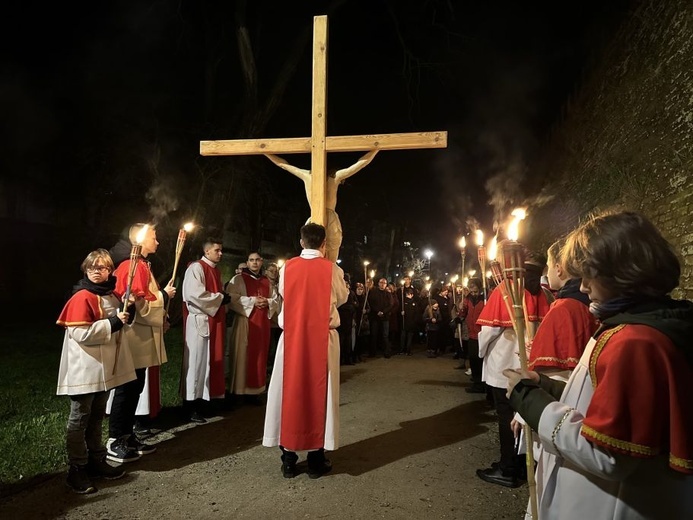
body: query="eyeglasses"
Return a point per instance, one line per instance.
(99, 268)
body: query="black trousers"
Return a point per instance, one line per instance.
(124, 405)
(475, 362)
(510, 462)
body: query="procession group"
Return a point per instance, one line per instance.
(606, 393)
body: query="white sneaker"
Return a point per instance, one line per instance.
(468, 372)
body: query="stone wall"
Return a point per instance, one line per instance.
(627, 135)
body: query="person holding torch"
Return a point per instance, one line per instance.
(146, 340)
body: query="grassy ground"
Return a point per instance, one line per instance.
(32, 417)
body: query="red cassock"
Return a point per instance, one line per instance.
(259, 329)
(307, 301)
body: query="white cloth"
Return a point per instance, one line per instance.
(499, 349)
(237, 339)
(578, 480)
(201, 304)
(274, 395)
(89, 355)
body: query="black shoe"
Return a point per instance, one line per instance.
(102, 469)
(475, 389)
(117, 450)
(495, 475)
(140, 447)
(318, 470)
(78, 479)
(142, 429)
(196, 417)
(289, 469)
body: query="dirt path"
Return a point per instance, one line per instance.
(411, 442)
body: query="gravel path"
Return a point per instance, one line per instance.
(411, 439)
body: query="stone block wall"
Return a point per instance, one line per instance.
(627, 138)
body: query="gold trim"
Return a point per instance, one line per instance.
(601, 343)
(680, 463)
(562, 362)
(617, 443)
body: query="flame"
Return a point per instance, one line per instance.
(428, 286)
(188, 227)
(427, 278)
(462, 243)
(280, 262)
(454, 279)
(402, 282)
(372, 273)
(141, 234)
(492, 249)
(366, 263)
(479, 237)
(411, 273)
(472, 272)
(465, 281)
(489, 274)
(514, 227)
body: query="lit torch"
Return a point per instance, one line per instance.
(512, 263)
(481, 254)
(182, 235)
(135, 253)
(463, 251)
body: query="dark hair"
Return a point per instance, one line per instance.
(313, 235)
(625, 252)
(209, 241)
(476, 282)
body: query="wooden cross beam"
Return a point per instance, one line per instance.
(318, 144)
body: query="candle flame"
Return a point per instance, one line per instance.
(141, 234)
(188, 227)
(493, 248)
(514, 227)
(462, 243)
(479, 237)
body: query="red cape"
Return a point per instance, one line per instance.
(643, 389)
(307, 302)
(84, 308)
(562, 335)
(140, 281)
(495, 313)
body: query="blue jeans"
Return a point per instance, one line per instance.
(84, 427)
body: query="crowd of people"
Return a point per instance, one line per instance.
(605, 393)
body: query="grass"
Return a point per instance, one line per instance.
(32, 417)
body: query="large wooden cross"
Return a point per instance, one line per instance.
(318, 144)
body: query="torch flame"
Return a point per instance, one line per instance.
(428, 286)
(365, 263)
(372, 273)
(141, 234)
(465, 281)
(280, 262)
(402, 282)
(493, 248)
(411, 273)
(188, 227)
(514, 227)
(462, 243)
(479, 237)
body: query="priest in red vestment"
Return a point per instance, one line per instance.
(204, 326)
(303, 398)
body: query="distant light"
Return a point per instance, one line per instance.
(339, 260)
(428, 253)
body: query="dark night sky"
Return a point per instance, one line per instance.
(493, 74)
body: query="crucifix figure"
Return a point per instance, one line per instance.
(333, 226)
(321, 190)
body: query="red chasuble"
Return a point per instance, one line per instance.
(643, 389)
(563, 335)
(258, 333)
(307, 301)
(217, 331)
